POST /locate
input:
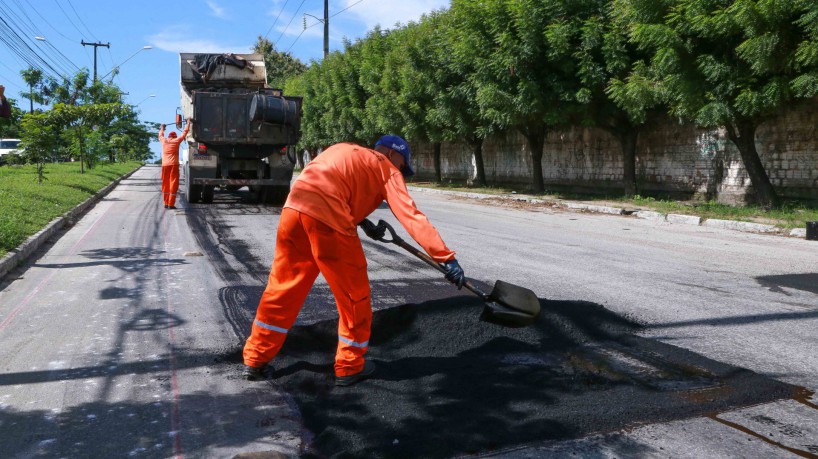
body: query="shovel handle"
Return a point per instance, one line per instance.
(397, 240)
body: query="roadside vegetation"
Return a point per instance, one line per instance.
(26, 207)
(479, 69)
(791, 214)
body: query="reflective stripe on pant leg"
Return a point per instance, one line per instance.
(173, 185)
(342, 262)
(290, 280)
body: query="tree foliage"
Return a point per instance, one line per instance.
(726, 63)
(280, 65)
(87, 120)
(481, 68)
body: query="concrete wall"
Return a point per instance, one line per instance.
(673, 158)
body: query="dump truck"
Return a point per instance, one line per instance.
(243, 133)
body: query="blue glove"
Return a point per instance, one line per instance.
(454, 273)
(372, 230)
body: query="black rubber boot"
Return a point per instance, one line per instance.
(367, 371)
(254, 373)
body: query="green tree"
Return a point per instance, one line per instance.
(524, 71)
(35, 81)
(79, 120)
(726, 63)
(40, 136)
(434, 94)
(280, 65)
(610, 93)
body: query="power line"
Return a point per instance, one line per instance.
(48, 23)
(69, 18)
(23, 20)
(276, 21)
(20, 47)
(350, 6)
(291, 21)
(28, 28)
(320, 22)
(80, 19)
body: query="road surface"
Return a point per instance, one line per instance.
(123, 338)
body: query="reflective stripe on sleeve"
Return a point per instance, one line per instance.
(353, 343)
(271, 327)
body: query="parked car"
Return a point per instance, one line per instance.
(9, 147)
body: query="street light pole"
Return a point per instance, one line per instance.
(116, 67)
(143, 100)
(95, 45)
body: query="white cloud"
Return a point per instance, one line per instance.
(387, 13)
(180, 39)
(216, 10)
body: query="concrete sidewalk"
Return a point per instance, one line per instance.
(748, 227)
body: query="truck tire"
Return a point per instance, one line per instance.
(193, 193)
(272, 195)
(207, 194)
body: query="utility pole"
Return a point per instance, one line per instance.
(326, 28)
(95, 45)
(31, 98)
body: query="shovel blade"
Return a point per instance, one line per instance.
(511, 306)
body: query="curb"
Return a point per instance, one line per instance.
(734, 225)
(17, 256)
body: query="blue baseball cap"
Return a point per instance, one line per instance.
(398, 144)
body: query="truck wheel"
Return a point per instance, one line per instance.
(194, 193)
(280, 194)
(273, 195)
(207, 194)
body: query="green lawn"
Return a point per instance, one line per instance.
(791, 215)
(26, 208)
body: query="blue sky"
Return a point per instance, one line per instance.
(170, 27)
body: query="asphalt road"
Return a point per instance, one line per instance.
(656, 340)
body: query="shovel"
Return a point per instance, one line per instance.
(508, 305)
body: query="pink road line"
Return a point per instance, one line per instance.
(39, 287)
(175, 415)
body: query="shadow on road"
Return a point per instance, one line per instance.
(807, 282)
(447, 384)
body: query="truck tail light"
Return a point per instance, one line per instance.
(202, 148)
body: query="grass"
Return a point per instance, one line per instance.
(791, 215)
(26, 208)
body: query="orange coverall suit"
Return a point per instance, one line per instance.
(170, 164)
(317, 232)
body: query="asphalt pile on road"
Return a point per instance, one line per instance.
(447, 384)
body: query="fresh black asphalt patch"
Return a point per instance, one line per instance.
(447, 384)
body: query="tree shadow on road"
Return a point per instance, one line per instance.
(807, 282)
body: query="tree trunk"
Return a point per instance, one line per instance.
(627, 140)
(536, 141)
(436, 153)
(743, 134)
(477, 151)
(82, 153)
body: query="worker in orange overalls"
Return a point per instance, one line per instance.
(170, 164)
(317, 233)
